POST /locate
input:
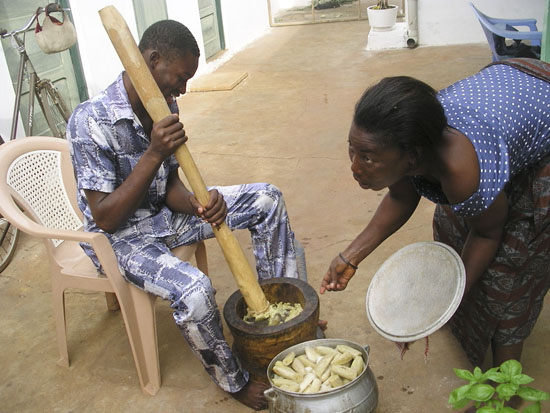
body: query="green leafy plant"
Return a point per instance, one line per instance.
(504, 382)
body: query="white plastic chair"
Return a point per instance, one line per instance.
(36, 176)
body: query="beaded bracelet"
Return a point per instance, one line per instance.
(346, 261)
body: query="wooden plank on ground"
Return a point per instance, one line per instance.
(217, 81)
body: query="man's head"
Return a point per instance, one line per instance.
(169, 37)
(172, 54)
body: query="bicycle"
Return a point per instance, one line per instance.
(51, 103)
(9, 235)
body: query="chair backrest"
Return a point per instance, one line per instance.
(486, 26)
(39, 176)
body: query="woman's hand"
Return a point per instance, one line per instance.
(337, 276)
(214, 212)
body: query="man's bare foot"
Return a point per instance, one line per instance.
(252, 395)
(323, 324)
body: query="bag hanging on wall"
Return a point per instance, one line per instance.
(55, 36)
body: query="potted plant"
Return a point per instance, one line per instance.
(382, 16)
(492, 389)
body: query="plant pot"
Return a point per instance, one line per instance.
(382, 19)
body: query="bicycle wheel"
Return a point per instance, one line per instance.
(54, 108)
(9, 235)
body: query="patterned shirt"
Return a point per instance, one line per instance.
(505, 113)
(107, 141)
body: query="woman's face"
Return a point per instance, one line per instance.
(374, 166)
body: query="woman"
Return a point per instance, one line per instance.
(480, 149)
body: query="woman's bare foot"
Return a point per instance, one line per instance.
(252, 395)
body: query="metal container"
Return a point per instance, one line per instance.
(357, 396)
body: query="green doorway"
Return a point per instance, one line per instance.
(212, 27)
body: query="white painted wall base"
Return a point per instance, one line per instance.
(389, 39)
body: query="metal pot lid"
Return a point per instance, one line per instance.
(415, 291)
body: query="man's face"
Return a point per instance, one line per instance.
(172, 73)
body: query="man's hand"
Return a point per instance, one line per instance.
(214, 212)
(166, 136)
(337, 276)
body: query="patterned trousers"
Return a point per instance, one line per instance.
(149, 264)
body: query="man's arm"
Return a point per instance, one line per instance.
(179, 199)
(111, 210)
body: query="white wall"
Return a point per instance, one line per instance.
(244, 23)
(442, 22)
(100, 62)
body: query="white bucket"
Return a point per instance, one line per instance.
(382, 19)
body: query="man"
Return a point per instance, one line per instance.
(128, 188)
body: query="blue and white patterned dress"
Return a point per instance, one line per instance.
(505, 113)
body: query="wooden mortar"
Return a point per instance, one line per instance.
(256, 346)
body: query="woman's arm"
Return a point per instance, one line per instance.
(484, 239)
(394, 210)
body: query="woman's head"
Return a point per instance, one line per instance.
(402, 113)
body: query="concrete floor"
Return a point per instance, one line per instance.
(287, 124)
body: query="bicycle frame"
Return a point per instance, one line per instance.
(25, 62)
(33, 78)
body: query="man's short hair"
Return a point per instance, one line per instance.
(168, 37)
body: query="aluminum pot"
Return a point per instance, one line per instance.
(357, 396)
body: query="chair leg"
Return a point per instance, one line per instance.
(200, 257)
(58, 296)
(112, 302)
(138, 312)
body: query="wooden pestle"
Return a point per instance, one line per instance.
(156, 106)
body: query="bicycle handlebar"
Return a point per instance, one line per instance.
(50, 8)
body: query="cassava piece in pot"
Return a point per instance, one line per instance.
(340, 363)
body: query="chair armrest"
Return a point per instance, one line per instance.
(517, 35)
(531, 23)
